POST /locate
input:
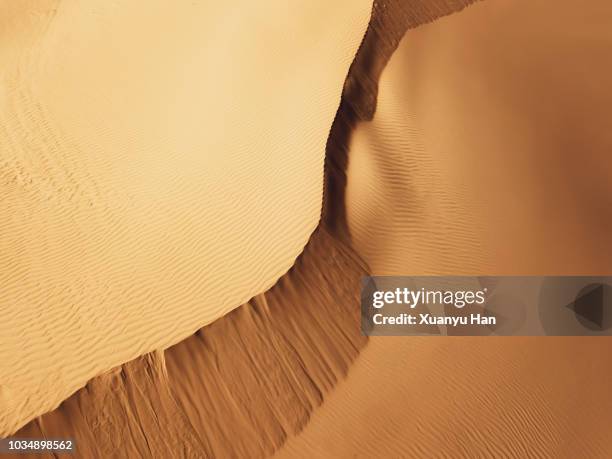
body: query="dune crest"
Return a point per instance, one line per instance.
(240, 386)
(488, 154)
(311, 316)
(399, 194)
(160, 166)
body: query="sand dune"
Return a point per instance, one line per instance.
(458, 170)
(239, 387)
(467, 397)
(163, 403)
(160, 165)
(488, 153)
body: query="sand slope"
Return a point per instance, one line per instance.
(408, 213)
(159, 166)
(240, 386)
(467, 397)
(488, 153)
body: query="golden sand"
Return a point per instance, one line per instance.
(487, 154)
(160, 165)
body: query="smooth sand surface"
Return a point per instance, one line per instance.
(490, 148)
(160, 164)
(467, 397)
(489, 153)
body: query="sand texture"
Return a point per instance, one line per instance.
(489, 153)
(157, 400)
(237, 388)
(159, 166)
(467, 397)
(465, 143)
(490, 148)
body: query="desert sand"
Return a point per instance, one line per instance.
(490, 148)
(453, 154)
(489, 153)
(160, 166)
(240, 386)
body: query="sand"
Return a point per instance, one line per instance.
(488, 154)
(467, 397)
(441, 178)
(160, 166)
(190, 399)
(240, 386)
(489, 150)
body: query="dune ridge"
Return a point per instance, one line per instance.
(241, 385)
(481, 154)
(403, 397)
(389, 22)
(487, 155)
(159, 166)
(77, 415)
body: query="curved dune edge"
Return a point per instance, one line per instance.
(490, 150)
(246, 382)
(389, 22)
(240, 386)
(506, 103)
(160, 164)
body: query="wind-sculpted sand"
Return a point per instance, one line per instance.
(488, 154)
(467, 397)
(164, 403)
(489, 150)
(237, 388)
(453, 154)
(160, 165)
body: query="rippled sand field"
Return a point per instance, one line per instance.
(162, 168)
(488, 153)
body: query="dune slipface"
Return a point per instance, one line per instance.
(488, 154)
(237, 388)
(160, 165)
(244, 384)
(247, 382)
